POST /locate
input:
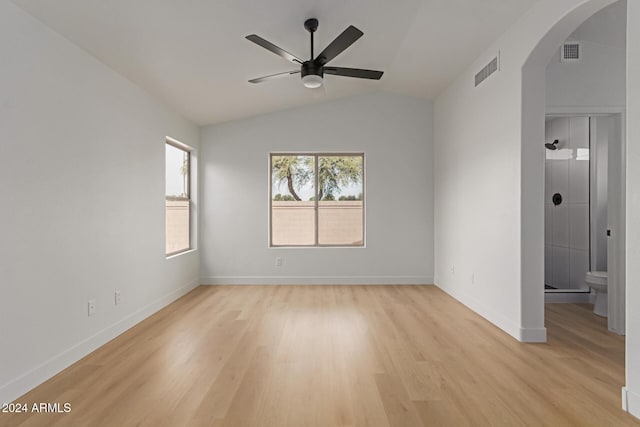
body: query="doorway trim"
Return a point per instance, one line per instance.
(617, 279)
(533, 112)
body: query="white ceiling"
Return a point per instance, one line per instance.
(607, 27)
(193, 56)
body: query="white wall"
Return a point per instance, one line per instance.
(394, 132)
(633, 208)
(597, 80)
(489, 192)
(595, 83)
(476, 196)
(82, 210)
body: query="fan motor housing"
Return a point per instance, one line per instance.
(309, 67)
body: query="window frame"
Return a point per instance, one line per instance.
(316, 155)
(188, 150)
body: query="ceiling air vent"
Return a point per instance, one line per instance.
(570, 52)
(489, 69)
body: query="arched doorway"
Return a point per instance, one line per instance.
(532, 158)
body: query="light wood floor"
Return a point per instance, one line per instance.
(339, 356)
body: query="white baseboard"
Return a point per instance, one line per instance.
(316, 280)
(530, 335)
(533, 335)
(631, 402)
(39, 374)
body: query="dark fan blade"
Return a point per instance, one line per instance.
(274, 76)
(336, 47)
(354, 72)
(273, 48)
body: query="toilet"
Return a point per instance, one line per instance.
(597, 280)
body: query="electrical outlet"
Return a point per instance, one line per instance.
(473, 278)
(278, 262)
(453, 270)
(117, 298)
(91, 307)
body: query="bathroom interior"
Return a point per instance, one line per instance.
(576, 207)
(584, 168)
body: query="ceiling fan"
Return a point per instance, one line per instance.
(313, 70)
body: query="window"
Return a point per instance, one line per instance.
(178, 198)
(317, 199)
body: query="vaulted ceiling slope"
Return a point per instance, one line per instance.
(607, 27)
(193, 56)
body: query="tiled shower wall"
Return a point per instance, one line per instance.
(567, 225)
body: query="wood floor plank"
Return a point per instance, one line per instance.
(339, 356)
(398, 406)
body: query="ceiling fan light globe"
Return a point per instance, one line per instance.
(312, 81)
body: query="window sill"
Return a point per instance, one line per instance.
(318, 247)
(177, 254)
